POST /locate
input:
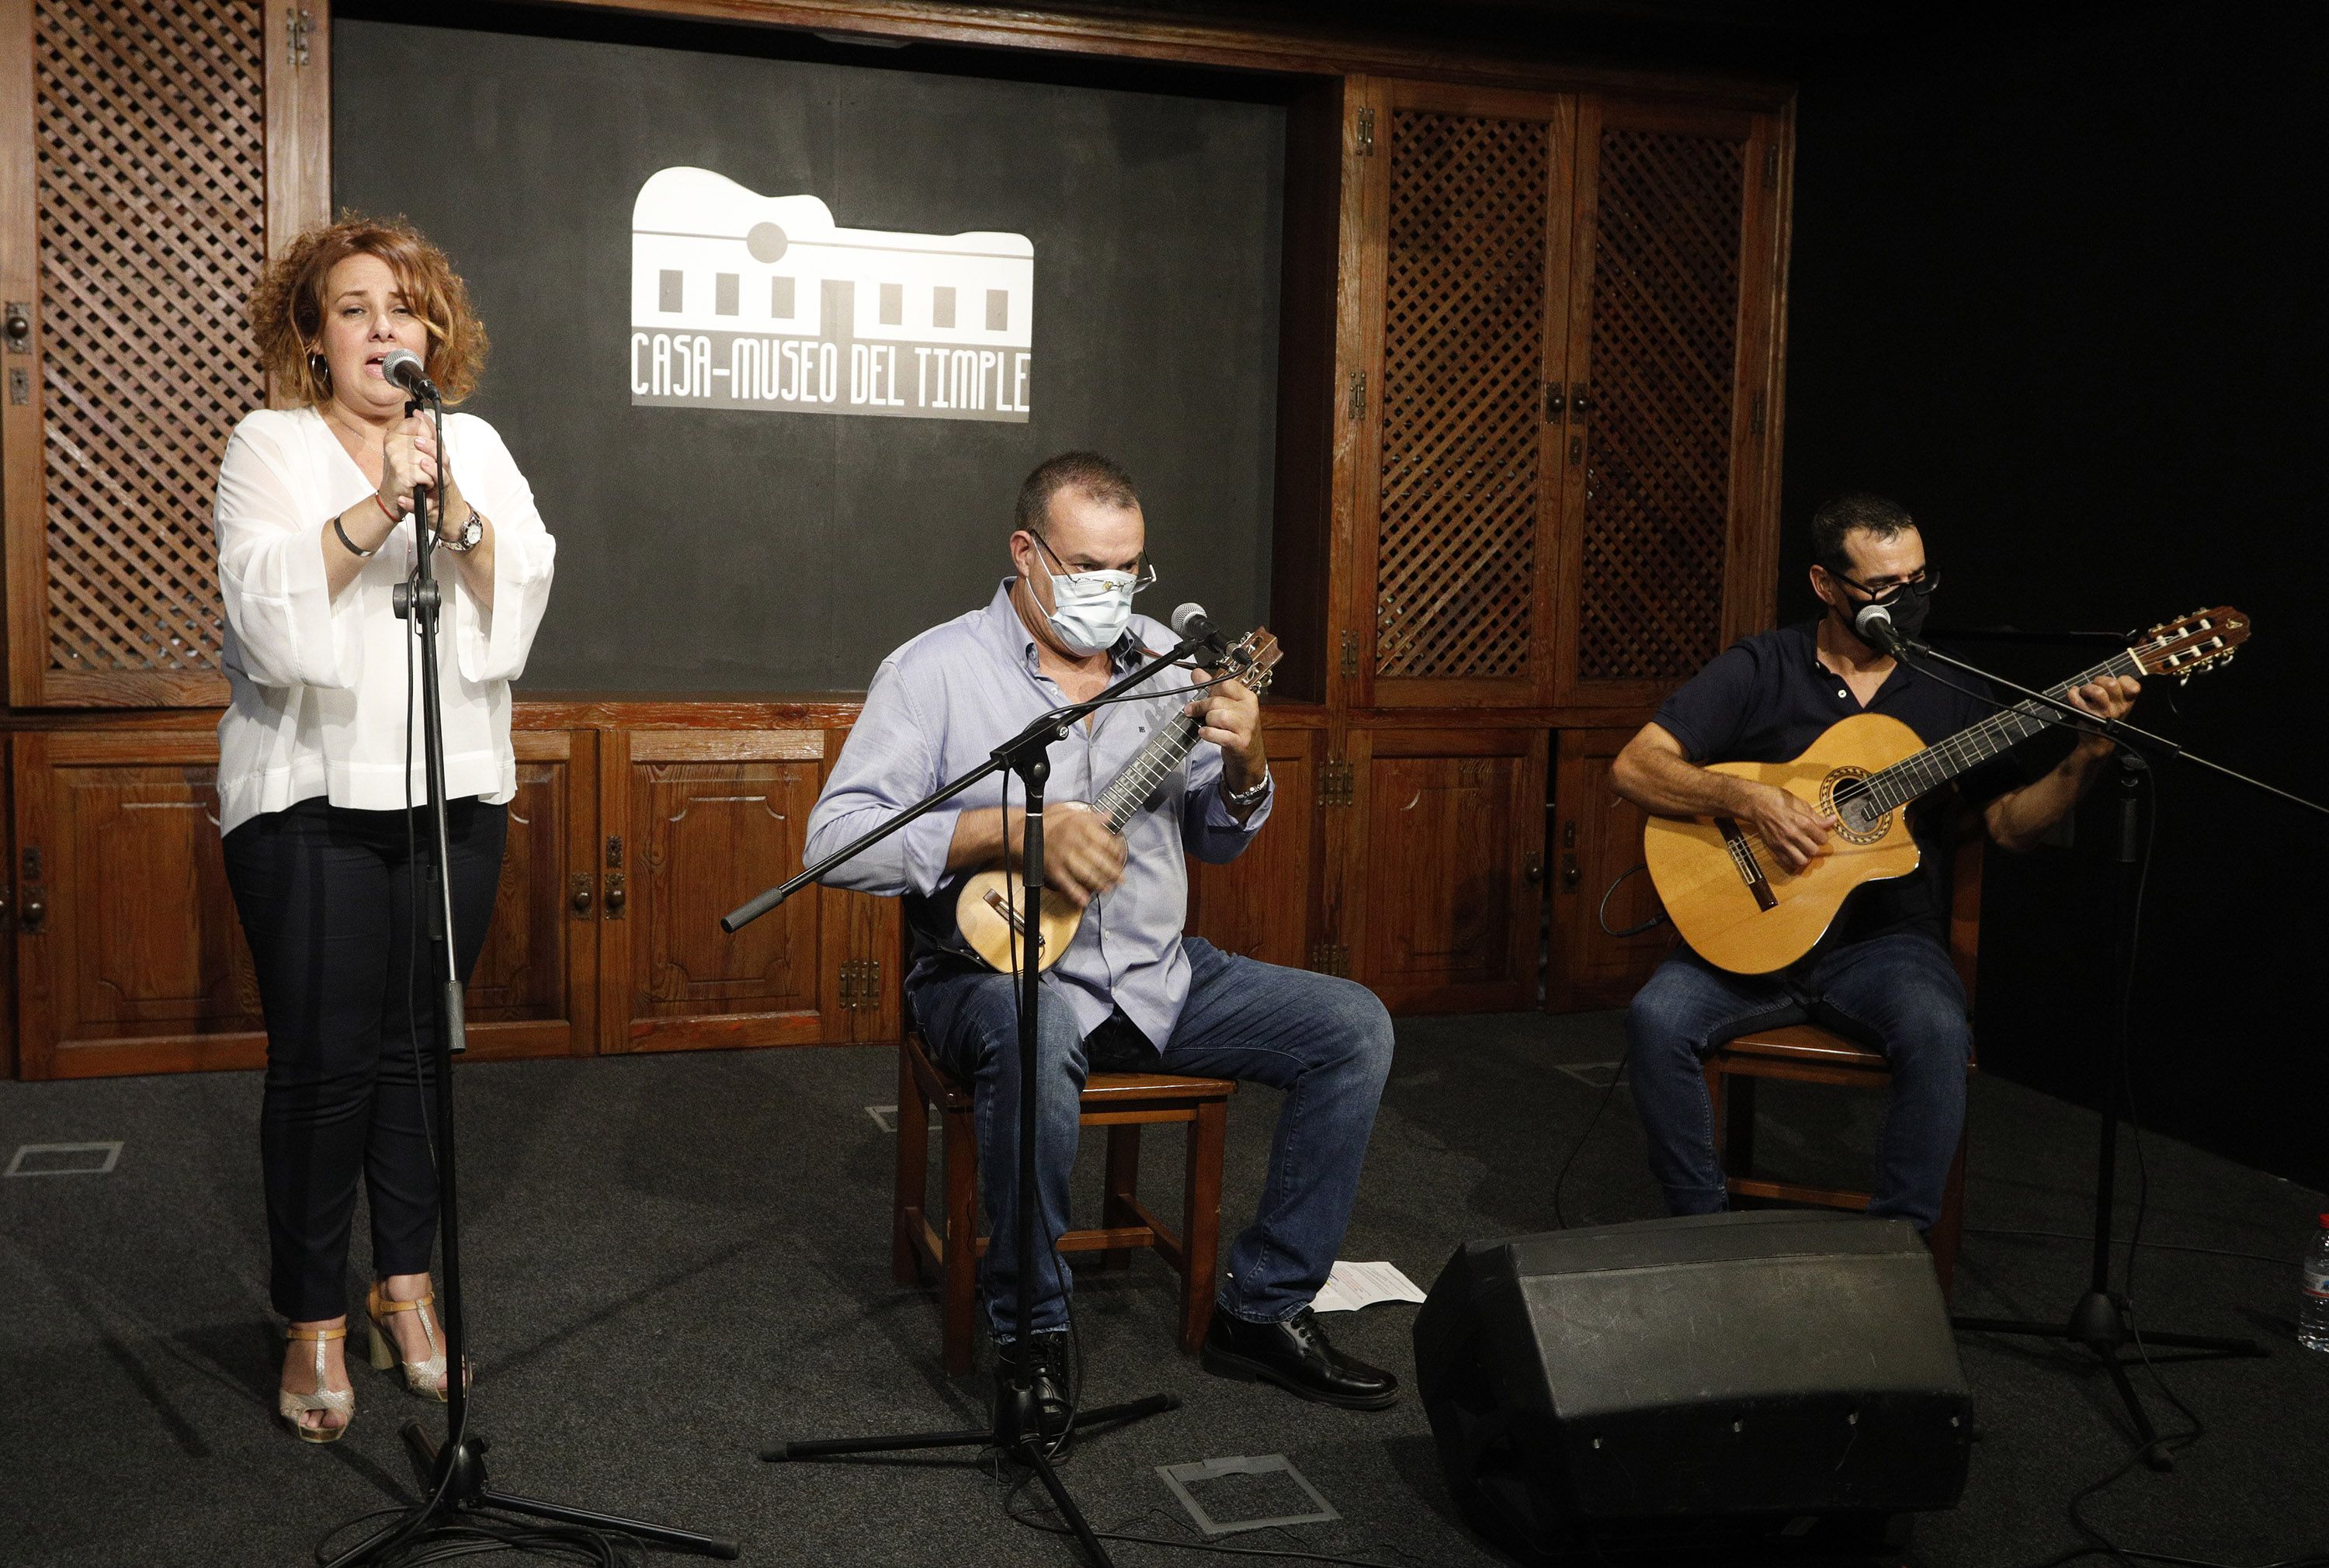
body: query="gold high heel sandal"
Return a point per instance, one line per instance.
(339, 1401)
(425, 1378)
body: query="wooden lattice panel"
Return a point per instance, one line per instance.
(1463, 371)
(1665, 332)
(151, 189)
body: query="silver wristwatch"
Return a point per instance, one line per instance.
(472, 533)
(1246, 797)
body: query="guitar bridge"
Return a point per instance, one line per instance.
(996, 901)
(1742, 858)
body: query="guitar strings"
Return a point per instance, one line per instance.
(1977, 741)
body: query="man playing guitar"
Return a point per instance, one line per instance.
(1882, 973)
(1130, 991)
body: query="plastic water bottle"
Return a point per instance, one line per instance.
(2312, 1304)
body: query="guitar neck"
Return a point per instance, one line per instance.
(1157, 760)
(1968, 748)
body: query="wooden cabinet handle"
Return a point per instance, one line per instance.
(615, 895)
(580, 901)
(36, 908)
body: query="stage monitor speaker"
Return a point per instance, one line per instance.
(1767, 1382)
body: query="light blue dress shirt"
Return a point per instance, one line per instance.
(938, 707)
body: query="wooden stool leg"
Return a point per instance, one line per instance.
(1948, 1230)
(913, 1188)
(961, 1238)
(1200, 1221)
(1123, 1186)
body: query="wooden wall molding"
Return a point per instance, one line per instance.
(1274, 50)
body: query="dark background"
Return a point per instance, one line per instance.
(741, 550)
(2055, 287)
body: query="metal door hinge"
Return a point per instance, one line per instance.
(1336, 781)
(861, 985)
(1358, 394)
(1366, 133)
(298, 27)
(1331, 958)
(1350, 652)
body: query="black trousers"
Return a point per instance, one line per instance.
(327, 897)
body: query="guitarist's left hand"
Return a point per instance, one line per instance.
(2107, 698)
(1229, 716)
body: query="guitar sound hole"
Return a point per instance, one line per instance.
(1854, 808)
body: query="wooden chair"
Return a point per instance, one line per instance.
(1808, 1054)
(1123, 1102)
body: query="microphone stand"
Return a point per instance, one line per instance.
(1016, 1428)
(452, 1476)
(2102, 1321)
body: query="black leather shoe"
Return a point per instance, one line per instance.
(1055, 1404)
(1295, 1355)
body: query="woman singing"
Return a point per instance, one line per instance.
(321, 768)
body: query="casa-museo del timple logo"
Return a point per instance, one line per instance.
(745, 301)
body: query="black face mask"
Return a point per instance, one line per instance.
(1908, 606)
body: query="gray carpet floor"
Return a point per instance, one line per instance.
(673, 1261)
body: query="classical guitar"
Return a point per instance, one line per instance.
(1740, 908)
(990, 910)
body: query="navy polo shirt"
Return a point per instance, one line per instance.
(1767, 698)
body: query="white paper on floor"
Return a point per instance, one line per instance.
(1351, 1286)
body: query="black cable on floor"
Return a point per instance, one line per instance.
(1559, 1220)
(2063, 1235)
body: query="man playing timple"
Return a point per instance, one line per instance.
(1130, 992)
(1883, 973)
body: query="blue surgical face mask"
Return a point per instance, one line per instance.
(1089, 610)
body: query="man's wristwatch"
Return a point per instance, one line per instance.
(472, 533)
(1243, 798)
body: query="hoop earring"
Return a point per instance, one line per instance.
(321, 369)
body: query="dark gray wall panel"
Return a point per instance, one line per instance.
(703, 550)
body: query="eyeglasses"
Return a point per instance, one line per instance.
(1922, 584)
(1143, 574)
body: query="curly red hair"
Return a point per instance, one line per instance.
(287, 308)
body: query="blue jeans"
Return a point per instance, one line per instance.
(1897, 993)
(1326, 1042)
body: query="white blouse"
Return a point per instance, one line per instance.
(319, 685)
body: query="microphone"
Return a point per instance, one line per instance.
(402, 368)
(1873, 625)
(1190, 625)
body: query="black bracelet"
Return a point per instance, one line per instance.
(359, 554)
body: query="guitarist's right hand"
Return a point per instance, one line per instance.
(1795, 832)
(1083, 856)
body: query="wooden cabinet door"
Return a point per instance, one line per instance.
(129, 955)
(1462, 297)
(534, 989)
(1597, 839)
(1442, 857)
(151, 158)
(1259, 904)
(1671, 431)
(693, 823)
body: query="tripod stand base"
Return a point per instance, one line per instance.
(467, 1492)
(1013, 1433)
(2099, 1322)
